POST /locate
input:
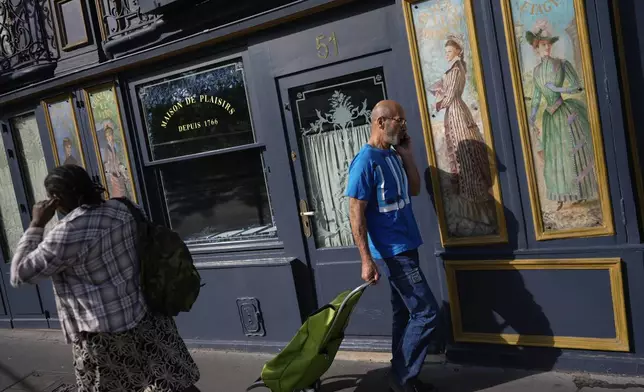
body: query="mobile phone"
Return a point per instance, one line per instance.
(404, 138)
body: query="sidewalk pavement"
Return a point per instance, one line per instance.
(39, 361)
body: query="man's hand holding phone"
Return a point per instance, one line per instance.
(404, 144)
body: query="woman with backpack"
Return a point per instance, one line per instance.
(91, 257)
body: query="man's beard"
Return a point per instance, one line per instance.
(392, 138)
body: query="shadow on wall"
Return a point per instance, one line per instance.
(490, 309)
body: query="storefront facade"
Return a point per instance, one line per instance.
(236, 128)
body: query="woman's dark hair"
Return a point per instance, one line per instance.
(454, 44)
(73, 186)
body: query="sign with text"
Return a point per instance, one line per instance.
(197, 111)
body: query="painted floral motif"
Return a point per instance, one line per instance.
(342, 114)
(332, 131)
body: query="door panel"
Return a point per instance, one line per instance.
(327, 114)
(33, 158)
(26, 308)
(331, 125)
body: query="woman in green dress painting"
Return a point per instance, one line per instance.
(569, 164)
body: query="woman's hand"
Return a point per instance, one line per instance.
(42, 212)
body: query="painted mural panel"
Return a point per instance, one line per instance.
(459, 141)
(560, 130)
(63, 129)
(109, 142)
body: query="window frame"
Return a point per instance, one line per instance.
(151, 169)
(18, 176)
(65, 45)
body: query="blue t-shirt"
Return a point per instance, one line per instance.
(378, 176)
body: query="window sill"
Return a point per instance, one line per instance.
(237, 246)
(246, 263)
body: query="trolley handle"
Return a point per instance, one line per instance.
(355, 291)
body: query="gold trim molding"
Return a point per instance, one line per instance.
(613, 265)
(45, 105)
(92, 125)
(607, 228)
(446, 238)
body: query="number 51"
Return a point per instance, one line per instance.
(323, 47)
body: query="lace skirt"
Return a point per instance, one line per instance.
(151, 357)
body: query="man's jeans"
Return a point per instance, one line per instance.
(414, 310)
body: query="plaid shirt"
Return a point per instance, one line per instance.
(92, 259)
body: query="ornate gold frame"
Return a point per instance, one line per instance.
(103, 87)
(628, 110)
(613, 265)
(52, 138)
(446, 239)
(593, 114)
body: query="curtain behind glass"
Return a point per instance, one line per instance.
(328, 156)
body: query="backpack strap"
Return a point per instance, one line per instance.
(139, 218)
(136, 213)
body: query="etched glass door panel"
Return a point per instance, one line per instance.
(32, 159)
(332, 122)
(10, 222)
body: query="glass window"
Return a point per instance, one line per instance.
(217, 196)
(32, 159)
(210, 205)
(196, 111)
(11, 228)
(71, 20)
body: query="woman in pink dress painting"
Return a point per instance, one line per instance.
(467, 155)
(115, 173)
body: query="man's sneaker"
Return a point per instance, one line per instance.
(394, 386)
(411, 386)
(423, 386)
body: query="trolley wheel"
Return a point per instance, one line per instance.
(313, 388)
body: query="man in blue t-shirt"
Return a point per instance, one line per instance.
(382, 179)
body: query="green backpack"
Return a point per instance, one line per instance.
(169, 279)
(299, 366)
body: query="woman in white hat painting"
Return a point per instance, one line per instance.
(566, 143)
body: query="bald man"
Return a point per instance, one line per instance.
(382, 179)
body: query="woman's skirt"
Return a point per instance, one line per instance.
(151, 357)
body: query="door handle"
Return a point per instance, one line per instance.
(305, 215)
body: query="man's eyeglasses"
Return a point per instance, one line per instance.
(400, 121)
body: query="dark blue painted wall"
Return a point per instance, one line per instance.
(215, 316)
(288, 286)
(537, 302)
